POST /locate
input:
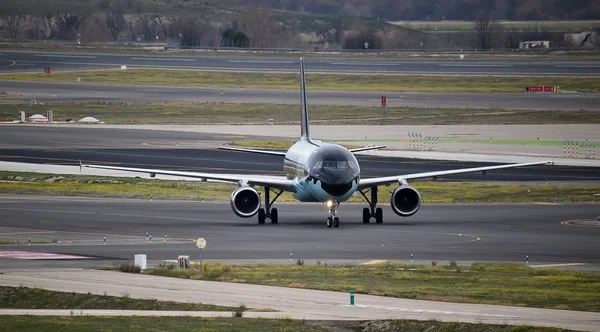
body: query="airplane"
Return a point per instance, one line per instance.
(317, 171)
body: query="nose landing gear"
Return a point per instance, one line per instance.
(332, 220)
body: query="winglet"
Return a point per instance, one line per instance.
(305, 134)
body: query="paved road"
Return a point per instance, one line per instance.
(12, 61)
(67, 92)
(66, 145)
(292, 302)
(461, 232)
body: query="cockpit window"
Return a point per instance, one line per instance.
(333, 164)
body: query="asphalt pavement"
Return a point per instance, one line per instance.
(13, 61)
(547, 233)
(48, 92)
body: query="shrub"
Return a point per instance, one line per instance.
(130, 268)
(300, 262)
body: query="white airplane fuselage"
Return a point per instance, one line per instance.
(321, 171)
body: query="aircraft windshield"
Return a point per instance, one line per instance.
(333, 164)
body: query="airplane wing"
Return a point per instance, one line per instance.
(277, 182)
(367, 148)
(372, 182)
(274, 153)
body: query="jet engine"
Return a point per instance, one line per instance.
(405, 201)
(245, 202)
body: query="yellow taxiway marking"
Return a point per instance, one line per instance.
(10, 65)
(557, 265)
(545, 203)
(376, 261)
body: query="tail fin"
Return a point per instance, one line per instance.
(305, 136)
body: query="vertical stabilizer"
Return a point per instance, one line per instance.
(304, 120)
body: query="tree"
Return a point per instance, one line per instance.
(233, 38)
(485, 28)
(13, 18)
(115, 21)
(191, 31)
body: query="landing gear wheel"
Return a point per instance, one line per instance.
(329, 222)
(366, 215)
(336, 222)
(379, 215)
(261, 216)
(274, 216)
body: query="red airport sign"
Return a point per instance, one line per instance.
(542, 88)
(47, 70)
(383, 101)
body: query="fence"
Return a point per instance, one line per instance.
(579, 149)
(417, 142)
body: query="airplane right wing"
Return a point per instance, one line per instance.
(277, 182)
(381, 181)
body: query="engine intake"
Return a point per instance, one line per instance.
(245, 202)
(405, 201)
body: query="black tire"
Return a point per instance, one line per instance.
(366, 216)
(261, 216)
(336, 222)
(379, 215)
(329, 222)
(274, 216)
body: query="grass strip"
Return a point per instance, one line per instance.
(260, 113)
(36, 298)
(503, 284)
(431, 192)
(344, 82)
(3, 241)
(275, 144)
(69, 324)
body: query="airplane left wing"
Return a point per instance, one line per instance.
(381, 181)
(270, 152)
(367, 148)
(277, 182)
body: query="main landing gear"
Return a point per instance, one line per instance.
(372, 211)
(332, 220)
(268, 212)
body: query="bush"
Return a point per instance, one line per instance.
(433, 263)
(453, 264)
(130, 268)
(300, 262)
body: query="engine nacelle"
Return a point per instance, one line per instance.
(405, 201)
(245, 202)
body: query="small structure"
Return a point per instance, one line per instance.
(89, 119)
(535, 44)
(37, 118)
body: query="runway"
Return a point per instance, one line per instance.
(49, 92)
(467, 232)
(13, 61)
(130, 148)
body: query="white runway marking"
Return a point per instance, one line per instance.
(576, 66)
(67, 56)
(163, 59)
(362, 64)
(37, 255)
(259, 61)
(467, 65)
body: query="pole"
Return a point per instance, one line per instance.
(201, 258)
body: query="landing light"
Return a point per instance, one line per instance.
(329, 203)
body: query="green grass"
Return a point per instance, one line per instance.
(508, 25)
(345, 82)
(68, 324)
(505, 284)
(2, 241)
(84, 324)
(260, 113)
(431, 191)
(36, 298)
(282, 145)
